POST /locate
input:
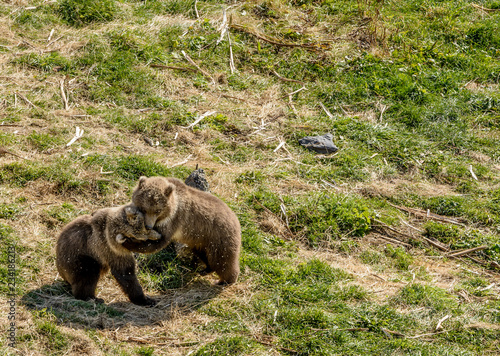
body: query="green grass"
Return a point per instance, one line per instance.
(413, 92)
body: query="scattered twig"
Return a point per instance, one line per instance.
(108, 172)
(4, 151)
(472, 172)
(54, 41)
(465, 252)
(196, 9)
(201, 117)
(423, 335)
(411, 226)
(275, 346)
(223, 26)
(433, 243)
(232, 97)
(394, 241)
(427, 214)
(295, 92)
(485, 9)
(78, 134)
(390, 333)
(279, 146)
(231, 58)
(327, 112)
(290, 233)
(64, 97)
(197, 67)
(287, 79)
(181, 163)
(50, 35)
(186, 69)
(265, 38)
(25, 99)
(438, 326)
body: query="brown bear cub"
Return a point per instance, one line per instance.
(91, 245)
(192, 217)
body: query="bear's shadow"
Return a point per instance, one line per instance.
(177, 299)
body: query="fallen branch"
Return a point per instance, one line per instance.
(265, 38)
(395, 241)
(467, 251)
(485, 9)
(196, 9)
(287, 80)
(208, 113)
(438, 326)
(186, 69)
(181, 163)
(63, 95)
(4, 151)
(26, 99)
(197, 67)
(431, 242)
(427, 215)
(78, 134)
(327, 112)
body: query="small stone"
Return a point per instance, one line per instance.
(198, 180)
(321, 144)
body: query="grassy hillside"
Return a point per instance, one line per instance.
(353, 253)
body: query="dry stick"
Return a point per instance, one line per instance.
(272, 40)
(4, 151)
(232, 97)
(427, 214)
(465, 252)
(484, 8)
(186, 69)
(275, 346)
(197, 67)
(196, 9)
(276, 216)
(54, 41)
(231, 59)
(26, 99)
(438, 326)
(63, 95)
(50, 35)
(201, 117)
(287, 80)
(327, 112)
(433, 243)
(181, 163)
(395, 241)
(422, 335)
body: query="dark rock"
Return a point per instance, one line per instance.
(321, 144)
(198, 180)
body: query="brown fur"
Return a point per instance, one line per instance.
(192, 217)
(91, 245)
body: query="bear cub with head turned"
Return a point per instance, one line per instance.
(192, 217)
(91, 245)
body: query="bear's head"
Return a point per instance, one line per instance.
(155, 198)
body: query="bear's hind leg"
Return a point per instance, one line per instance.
(86, 274)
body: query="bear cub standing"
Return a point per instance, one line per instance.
(91, 245)
(192, 217)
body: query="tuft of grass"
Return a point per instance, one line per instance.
(428, 296)
(83, 12)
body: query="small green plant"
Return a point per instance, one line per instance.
(443, 232)
(82, 12)
(428, 296)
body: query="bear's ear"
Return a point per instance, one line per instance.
(169, 189)
(130, 212)
(142, 180)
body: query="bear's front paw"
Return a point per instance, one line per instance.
(146, 302)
